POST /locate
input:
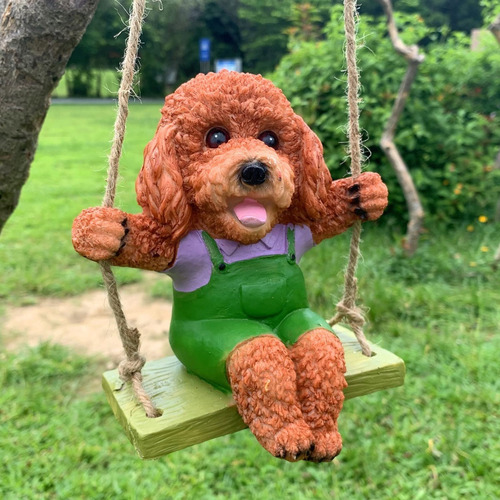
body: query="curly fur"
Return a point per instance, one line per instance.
(318, 358)
(289, 398)
(264, 385)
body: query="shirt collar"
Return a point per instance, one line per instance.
(228, 247)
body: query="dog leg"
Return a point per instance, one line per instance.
(318, 357)
(263, 380)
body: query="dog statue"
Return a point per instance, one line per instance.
(234, 190)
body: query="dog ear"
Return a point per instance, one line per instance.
(313, 178)
(159, 185)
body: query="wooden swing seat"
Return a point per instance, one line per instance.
(193, 411)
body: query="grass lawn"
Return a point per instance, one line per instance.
(436, 437)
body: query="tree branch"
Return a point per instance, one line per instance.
(36, 41)
(414, 59)
(494, 27)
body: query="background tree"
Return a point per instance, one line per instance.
(267, 24)
(264, 38)
(168, 53)
(169, 49)
(413, 58)
(36, 41)
(462, 15)
(220, 23)
(100, 49)
(307, 22)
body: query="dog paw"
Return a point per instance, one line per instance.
(327, 445)
(367, 196)
(293, 442)
(98, 233)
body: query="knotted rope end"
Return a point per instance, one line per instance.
(355, 317)
(129, 370)
(130, 366)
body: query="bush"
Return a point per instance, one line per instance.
(449, 133)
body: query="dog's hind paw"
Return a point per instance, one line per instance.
(327, 446)
(293, 442)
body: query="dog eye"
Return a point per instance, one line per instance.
(216, 136)
(269, 139)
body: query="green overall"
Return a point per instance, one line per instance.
(242, 300)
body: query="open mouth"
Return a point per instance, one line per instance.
(250, 213)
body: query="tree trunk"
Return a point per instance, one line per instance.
(494, 27)
(414, 58)
(36, 41)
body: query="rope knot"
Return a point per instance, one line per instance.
(356, 319)
(353, 314)
(130, 366)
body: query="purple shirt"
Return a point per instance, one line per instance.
(192, 267)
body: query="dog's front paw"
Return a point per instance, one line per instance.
(98, 233)
(367, 196)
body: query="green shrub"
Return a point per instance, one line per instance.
(449, 132)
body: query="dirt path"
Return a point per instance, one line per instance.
(85, 323)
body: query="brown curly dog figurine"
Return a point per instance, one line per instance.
(234, 190)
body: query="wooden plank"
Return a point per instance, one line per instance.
(193, 411)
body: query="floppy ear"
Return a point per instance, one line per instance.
(159, 187)
(313, 178)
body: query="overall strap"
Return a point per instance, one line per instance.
(290, 236)
(214, 252)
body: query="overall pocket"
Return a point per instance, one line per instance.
(263, 299)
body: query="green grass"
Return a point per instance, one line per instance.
(68, 174)
(436, 437)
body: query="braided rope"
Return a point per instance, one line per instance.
(130, 368)
(347, 308)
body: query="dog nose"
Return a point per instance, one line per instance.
(253, 173)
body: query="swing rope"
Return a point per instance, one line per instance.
(130, 368)
(347, 307)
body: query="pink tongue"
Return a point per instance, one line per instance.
(250, 213)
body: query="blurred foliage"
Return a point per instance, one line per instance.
(170, 32)
(220, 22)
(267, 24)
(449, 132)
(99, 49)
(168, 52)
(462, 15)
(264, 37)
(257, 31)
(490, 9)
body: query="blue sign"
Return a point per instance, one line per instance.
(205, 49)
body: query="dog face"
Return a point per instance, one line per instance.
(231, 157)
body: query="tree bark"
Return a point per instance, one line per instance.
(494, 27)
(36, 41)
(414, 58)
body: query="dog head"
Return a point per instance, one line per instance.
(231, 157)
